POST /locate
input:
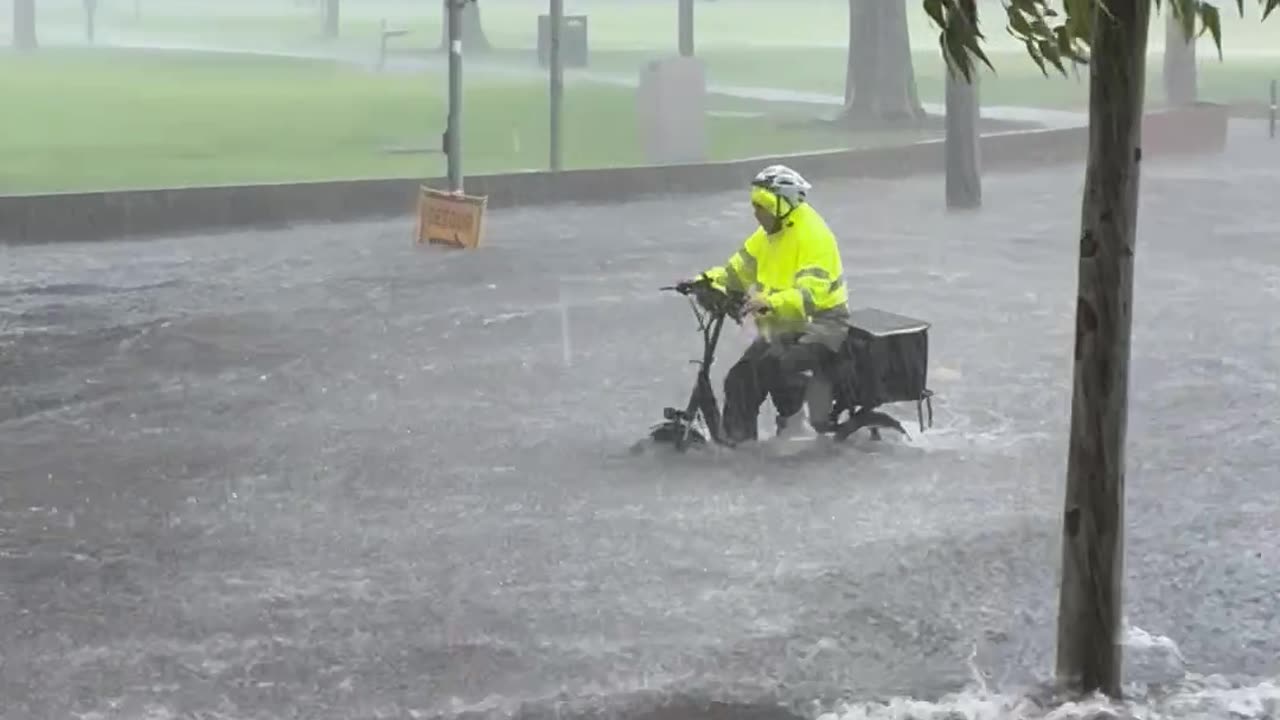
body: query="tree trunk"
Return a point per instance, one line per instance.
(1090, 602)
(860, 58)
(332, 17)
(24, 25)
(473, 37)
(880, 82)
(1179, 64)
(964, 178)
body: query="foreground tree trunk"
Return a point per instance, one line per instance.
(964, 176)
(1179, 64)
(24, 25)
(880, 81)
(1090, 603)
(332, 17)
(473, 37)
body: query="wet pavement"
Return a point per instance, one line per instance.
(324, 473)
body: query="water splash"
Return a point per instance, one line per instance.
(1195, 697)
(1188, 695)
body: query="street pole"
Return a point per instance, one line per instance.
(686, 28)
(1275, 106)
(685, 24)
(557, 83)
(453, 131)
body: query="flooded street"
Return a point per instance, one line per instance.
(324, 473)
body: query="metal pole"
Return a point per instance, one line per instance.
(685, 23)
(382, 45)
(557, 82)
(453, 132)
(1275, 106)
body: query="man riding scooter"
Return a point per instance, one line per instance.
(790, 267)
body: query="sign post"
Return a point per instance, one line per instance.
(453, 131)
(1275, 106)
(685, 29)
(557, 82)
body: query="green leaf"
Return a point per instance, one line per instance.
(1035, 56)
(1050, 35)
(1019, 23)
(935, 10)
(1080, 18)
(977, 50)
(1212, 23)
(1186, 12)
(1063, 37)
(1050, 53)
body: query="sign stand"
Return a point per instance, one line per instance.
(450, 218)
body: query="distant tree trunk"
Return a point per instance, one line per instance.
(90, 20)
(1179, 63)
(964, 176)
(332, 17)
(1090, 603)
(473, 37)
(860, 57)
(880, 82)
(24, 25)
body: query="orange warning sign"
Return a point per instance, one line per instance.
(453, 219)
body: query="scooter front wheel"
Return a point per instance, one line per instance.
(672, 436)
(678, 434)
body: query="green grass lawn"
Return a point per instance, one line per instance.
(745, 42)
(96, 119)
(77, 119)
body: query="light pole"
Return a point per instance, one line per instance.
(1275, 105)
(556, 65)
(685, 22)
(453, 131)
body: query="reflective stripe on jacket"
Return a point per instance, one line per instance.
(798, 269)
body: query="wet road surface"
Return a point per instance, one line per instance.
(324, 473)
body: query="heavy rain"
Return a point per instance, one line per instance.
(260, 461)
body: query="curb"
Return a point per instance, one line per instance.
(151, 213)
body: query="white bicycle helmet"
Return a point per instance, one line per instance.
(783, 182)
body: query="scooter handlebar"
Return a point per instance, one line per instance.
(713, 298)
(685, 287)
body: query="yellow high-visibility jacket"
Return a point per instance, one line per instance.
(798, 269)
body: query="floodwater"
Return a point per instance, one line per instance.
(325, 473)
